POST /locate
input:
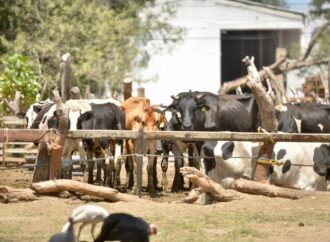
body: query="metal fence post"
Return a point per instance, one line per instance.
(140, 161)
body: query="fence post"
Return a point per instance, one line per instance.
(140, 161)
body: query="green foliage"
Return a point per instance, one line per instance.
(320, 10)
(17, 75)
(107, 39)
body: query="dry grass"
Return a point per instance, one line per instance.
(253, 218)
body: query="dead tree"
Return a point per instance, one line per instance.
(65, 67)
(268, 119)
(206, 185)
(13, 106)
(56, 186)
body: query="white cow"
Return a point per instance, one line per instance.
(304, 164)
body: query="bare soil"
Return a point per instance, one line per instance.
(252, 218)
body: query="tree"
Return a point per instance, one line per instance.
(106, 38)
(18, 75)
(321, 10)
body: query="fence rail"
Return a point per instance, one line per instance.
(28, 135)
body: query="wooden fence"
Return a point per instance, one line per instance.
(28, 135)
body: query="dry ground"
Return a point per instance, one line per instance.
(252, 218)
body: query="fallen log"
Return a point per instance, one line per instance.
(10, 194)
(55, 186)
(258, 188)
(206, 185)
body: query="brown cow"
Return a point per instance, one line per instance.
(140, 115)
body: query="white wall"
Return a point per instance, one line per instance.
(195, 64)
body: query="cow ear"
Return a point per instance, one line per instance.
(20, 115)
(227, 149)
(37, 108)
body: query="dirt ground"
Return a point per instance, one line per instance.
(252, 218)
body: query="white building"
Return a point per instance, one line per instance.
(219, 33)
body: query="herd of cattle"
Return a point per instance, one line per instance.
(305, 165)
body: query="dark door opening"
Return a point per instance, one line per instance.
(235, 45)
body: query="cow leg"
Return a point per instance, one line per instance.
(98, 178)
(129, 164)
(164, 166)
(150, 170)
(178, 182)
(82, 156)
(117, 165)
(90, 167)
(129, 172)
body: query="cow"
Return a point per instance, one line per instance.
(308, 118)
(107, 116)
(187, 116)
(34, 110)
(298, 165)
(74, 108)
(140, 114)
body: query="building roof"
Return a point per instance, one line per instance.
(268, 6)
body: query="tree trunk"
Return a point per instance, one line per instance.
(10, 194)
(268, 118)
(61, 185)
(205, 184)
(252, 187)
(13, 106)
(65, 67)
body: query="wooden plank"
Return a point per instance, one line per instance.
(19, 151)
(200, 136)
(13, 120)
(26, 135)
(13, 159)
(29, 135)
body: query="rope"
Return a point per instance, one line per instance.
(270, 138)
(270, 161)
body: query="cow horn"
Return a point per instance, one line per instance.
(176, 97)
(199, 96)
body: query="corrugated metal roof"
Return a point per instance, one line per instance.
(268, 6)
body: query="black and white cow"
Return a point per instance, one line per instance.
(74, 108)
(303, 164)
(106, 116)
(308, 117)
(34, 110)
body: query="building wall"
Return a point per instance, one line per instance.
(195, 64)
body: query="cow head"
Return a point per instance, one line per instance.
(186, 110)
(208, 103)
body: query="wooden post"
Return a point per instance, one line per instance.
(141, 92)
(140, 161)
(75, 93)
(42, 164)
(65, 67)
(127, 88)
(59, 140)
(329, 80)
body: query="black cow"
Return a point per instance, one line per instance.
(186, 117)
(308, 118)
(106, 116)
